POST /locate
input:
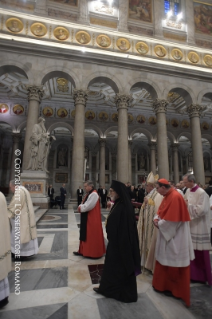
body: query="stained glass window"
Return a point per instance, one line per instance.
(173, 5)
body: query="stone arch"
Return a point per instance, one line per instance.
(12, 68)
(202, 93)
(95, 128)
(186, 134)
(21, 127)
(144, 131)
(148, 85)
(110, 129)
(183, 90)
(13, 129)
(60, 124)
(54, 74)
(106, 78)
(171, 137)
(207, 137)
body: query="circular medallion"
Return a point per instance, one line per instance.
(152, 120)
(38, 29)
(14, 25)
(73, 113)
(130, 118)
(4, 108)
(142, 48)
(140, 119)
(48, 111)
(61, 33)
(90, 115)
(83, 37)
(103, 116)
(115, 117)
(18, 109)
(177, 54)
(208, 60)
(185, 124)
(123, 44)
(205, 126)
(174, 123)
(193, 57)
(103, 41)
(62, 112)
(160, 51)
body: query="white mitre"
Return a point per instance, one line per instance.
(151, 178)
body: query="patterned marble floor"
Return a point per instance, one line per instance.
(58, 285)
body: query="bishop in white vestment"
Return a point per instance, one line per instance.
(23, 225)
(199, 209)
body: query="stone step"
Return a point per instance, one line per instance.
(36, 208)
(39, 213)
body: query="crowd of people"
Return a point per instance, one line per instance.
(171, 238)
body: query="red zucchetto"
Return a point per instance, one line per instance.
(163, 181)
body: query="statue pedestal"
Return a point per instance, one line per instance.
(36, 183)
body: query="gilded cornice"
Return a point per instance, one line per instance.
(36, 30)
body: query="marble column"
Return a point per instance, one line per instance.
(102, 162)
(83, 12)
(122, 103)
(158, 17)
(152, 157)
(123, 15)
(35, 94)
(194, 111)
(175, 162)
(160, 107)
(78, 151)
(189, 11)
(41, 7)
(16, 137)
(130, 161)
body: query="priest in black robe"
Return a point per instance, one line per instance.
(122, 261)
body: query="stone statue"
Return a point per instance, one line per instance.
(142, 162)
(40, 147)
(62, 157)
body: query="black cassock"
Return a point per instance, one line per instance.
(122, 257)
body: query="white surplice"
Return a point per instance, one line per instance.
(27, 249)
(199, 210)
(174, 245)
(90, 202)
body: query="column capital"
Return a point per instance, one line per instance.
(80, 96)
(160, 106)
(152, 145)
(35, 92)
(102, 142)
(123, 100)
(16, 137)
(195, 110)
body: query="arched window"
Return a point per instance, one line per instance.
(172, 5)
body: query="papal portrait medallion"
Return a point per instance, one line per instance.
(61, 33)
(103, 41)
(142, 47)
(83, 37)
(14, 25)
(123, 44)
(38, 29)
(193, 57)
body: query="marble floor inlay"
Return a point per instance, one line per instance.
(55, 284)
(96, 272)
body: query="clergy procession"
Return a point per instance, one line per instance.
(170, 239)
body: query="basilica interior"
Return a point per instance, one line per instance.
(124, 88)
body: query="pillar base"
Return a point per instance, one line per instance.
(36, 183)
